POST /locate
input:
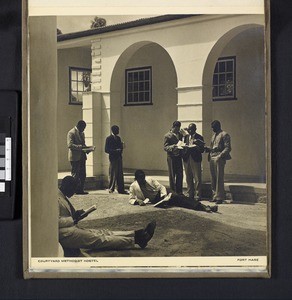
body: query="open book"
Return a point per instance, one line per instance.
(88, 148)
(88, 211)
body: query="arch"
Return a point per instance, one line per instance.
(239, 115)
(137, 122)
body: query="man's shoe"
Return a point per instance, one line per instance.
(143, 236)
(214, 208)
(219, 201)
(212, 200)
(124, 193)
(163, 202)
(82, 193)
(110, 191)
(208, 209)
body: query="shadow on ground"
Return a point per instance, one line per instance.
(180, 233)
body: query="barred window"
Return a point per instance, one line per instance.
(80, 82)
(139, 86)
(224, 79)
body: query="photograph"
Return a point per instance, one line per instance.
(146, 139)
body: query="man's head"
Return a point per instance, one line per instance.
(216, 126)
(68, 186)
(115, 129)
(192, 128)
(176, 126)
(81, 125)
(140, 176)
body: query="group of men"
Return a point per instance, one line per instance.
(77, 156)
(183, 147)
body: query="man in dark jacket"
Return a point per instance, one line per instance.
(114, 147)
(192, 159)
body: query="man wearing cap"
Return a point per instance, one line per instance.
(72, 236)
(219, 153)
(174, 157)
(192, 159)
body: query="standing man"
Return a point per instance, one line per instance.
(192, 159)
(114, 147)
(174, 158)
(219, 152)
(76, 155)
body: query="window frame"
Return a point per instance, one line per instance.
(78, 69)
(225, 98)
(127, 103)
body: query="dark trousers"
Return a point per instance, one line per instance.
(78, 171)
(181, 201)
(116, 175)
(175, 171)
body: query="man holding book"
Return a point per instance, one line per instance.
(72, 236)
(77, 155)
(192, 159)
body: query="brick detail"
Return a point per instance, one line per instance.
(96, 53)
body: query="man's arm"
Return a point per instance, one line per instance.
(168, 147)
(159, 187)
(227, 145)
(66, 222)
(70, 142)
(133, 197)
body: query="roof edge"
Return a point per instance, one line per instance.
(121, 26)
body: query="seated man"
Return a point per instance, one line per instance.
(74, 237)
(146, 189)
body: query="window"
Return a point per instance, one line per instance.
(224, 79)
(80, 82)
(138, 86)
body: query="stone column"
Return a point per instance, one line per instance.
(43, 137)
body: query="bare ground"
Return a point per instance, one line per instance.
(236, 230)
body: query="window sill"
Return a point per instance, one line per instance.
(138, 104)
(224, 99)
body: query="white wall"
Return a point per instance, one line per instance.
(143, 127)
(244, 118)
(68, 115)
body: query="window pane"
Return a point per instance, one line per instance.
(74, 86)
(136, 97)
(135, 86)
(80, 76)
(147, 97)
(73, 98)
(141, 97)
(141, 86)
(222, 66)
(229, 66)
(222, 90)
(130, 77)
(73, 75)
(136, 76)
(215, 91)
(222, 79)
(215, 79)
(229, 77)
(147, 86)
(79, 97)
(130, 87)
(130, 98)
(147, 75)
(229, 89)
(141, 75)
(80, 86)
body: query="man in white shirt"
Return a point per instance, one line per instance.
(148, 190)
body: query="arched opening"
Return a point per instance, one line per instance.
(143, 126)
(244, 116)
